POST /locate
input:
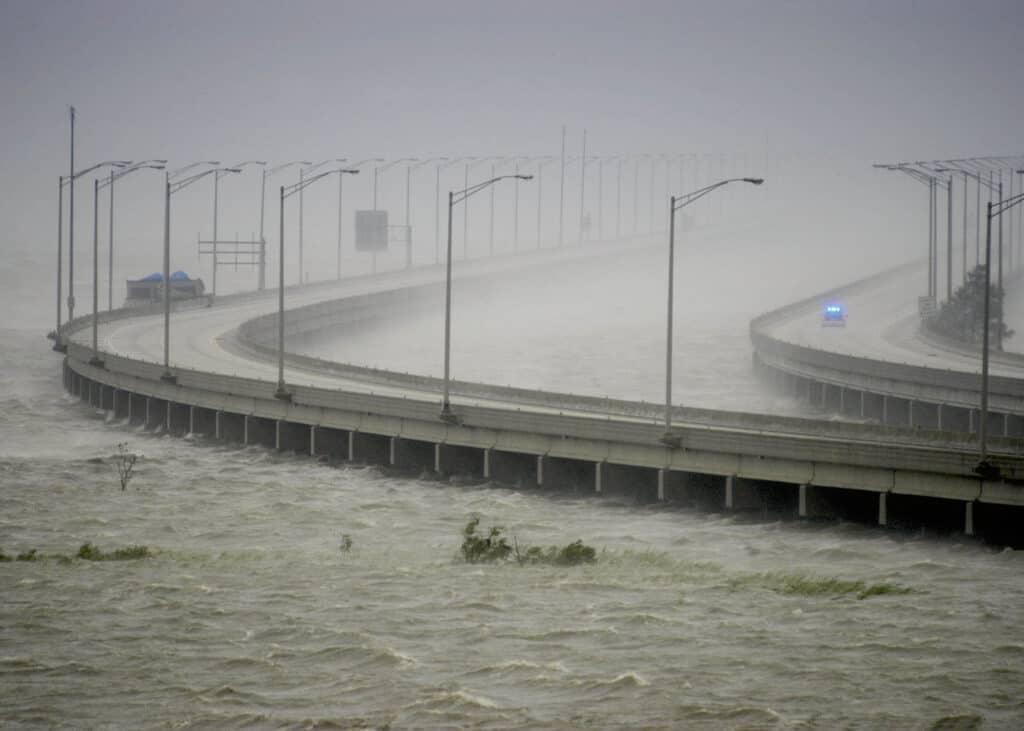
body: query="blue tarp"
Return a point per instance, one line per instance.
(179, 276)
(154, 277)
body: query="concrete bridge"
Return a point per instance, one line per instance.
(224, 360)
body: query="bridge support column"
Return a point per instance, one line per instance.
(513, 468)
(178, 418)
(328, 442)
(883, 509)
(369, 448)
(291, 437)
(814, 503)
(412, 454)
(260, 431)
(741, 494)
(969, 518)
(598, 469)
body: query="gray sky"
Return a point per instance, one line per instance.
(837, 85)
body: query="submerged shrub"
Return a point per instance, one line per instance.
(89, 552)
(477, 548)
(801, 585)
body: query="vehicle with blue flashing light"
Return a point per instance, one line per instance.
(834, 315)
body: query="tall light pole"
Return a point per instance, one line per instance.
(376, 174)
(408, 226)
(263, 200)
(286, 191)
(303, 172)
(471, 163)
(583, 185)
(62, 181)
(341, 180)
(676, 203)
(461, 196)
(561, 195)
(437, 202)
(216, 184)
(109, 183)
(986, 470)
(171, 188)
(541, 162)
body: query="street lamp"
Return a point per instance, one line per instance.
(541, 162)
(461, 196)
(263, 199)
(341, 179)
(929, 178)
(303, 171)
(408, 226)
(169, 189)
(216, 180)
(109, 182)
(983, 468)
(68, 180)
(465, 209)
(676, 203)
(286, 191)
(583, 185)
(437, 203)
(376, 174)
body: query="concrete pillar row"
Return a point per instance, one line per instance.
(437, 458)
(487, 463)
(661, 485)
(191, 419)
(598, 472)
(730, 486)
(312, 440)
(969, 518)
(540, 470)
(883, 512)
(216, 424)
(351, 446)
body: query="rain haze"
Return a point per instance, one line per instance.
(291, 588)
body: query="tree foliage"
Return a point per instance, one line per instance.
(962, 318)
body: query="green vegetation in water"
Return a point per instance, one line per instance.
(346, 543)
(86, 552)
(800, 585)
(89, 552)
(125, 463)
(494, 547)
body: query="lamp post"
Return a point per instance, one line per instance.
(376, 174)
(960, 166)
(341, 179)
(263, 200)
(408, 226)
(541, 162)
(216, 181)
(675, 204)
(465, 209)
(109, 182)
(583, 184)
(561, 195)
(286, 191)
(461, 196)
(983, 468)
(303, 172)
(69, 181)
(169, 189)
(437, 202)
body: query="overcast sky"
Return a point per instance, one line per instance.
(843, 84)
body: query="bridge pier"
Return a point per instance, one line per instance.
(924, 415)
(204, 421)
(291, 437)
(565, 474)
(452, 459)
(156, 413)
(814, 502)
(511, 468)
(178, 418)
(122, 404)
(741, 494)
(411, 454)
(368, 448)
(260, 431)
(638, 483)
(328, 442)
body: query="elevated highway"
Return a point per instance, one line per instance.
(224, 357)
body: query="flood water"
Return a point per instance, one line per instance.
(250, 612)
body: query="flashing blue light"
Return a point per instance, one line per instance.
(833, 312)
